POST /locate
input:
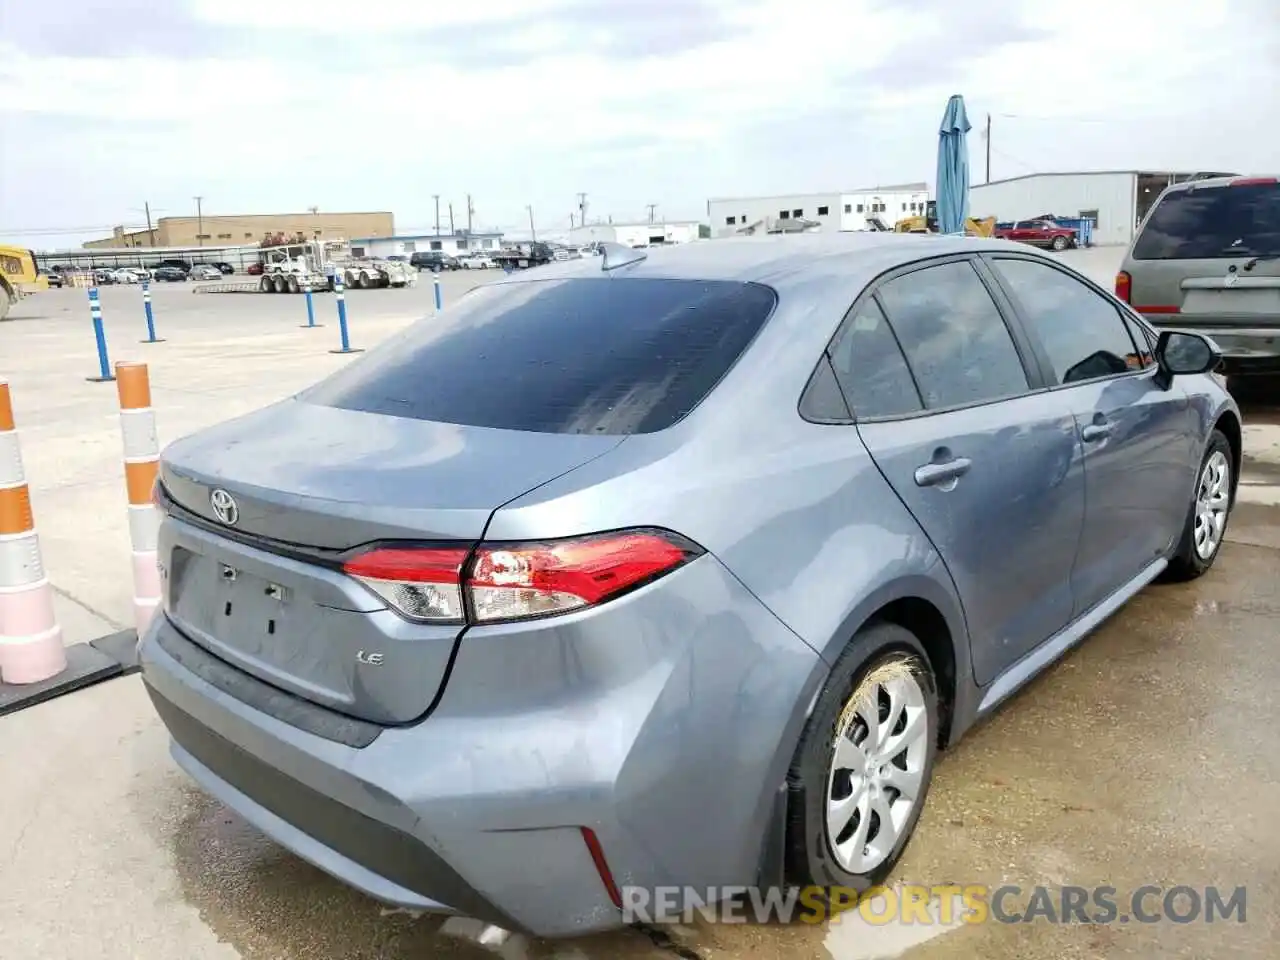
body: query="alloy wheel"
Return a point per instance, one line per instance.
(1213, 501)
(877, 769)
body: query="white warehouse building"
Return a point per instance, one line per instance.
(1116, 200)
(636, 234)
(824, 212)
(402, 245)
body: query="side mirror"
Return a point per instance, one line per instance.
(1182, 353)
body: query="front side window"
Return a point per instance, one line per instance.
(1082, 332)
(954, 338)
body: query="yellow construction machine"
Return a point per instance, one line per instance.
(928, 223)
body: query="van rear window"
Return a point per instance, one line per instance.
(1206, 223)
(604, 355)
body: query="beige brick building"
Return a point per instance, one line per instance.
(223, 231)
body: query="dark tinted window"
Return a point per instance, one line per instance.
(1082, 332)
(1208, 222)
(597, 355)
(870, 367)
(1145, 340)
(954, 337)
(822, 398)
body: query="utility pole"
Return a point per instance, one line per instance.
(199, 221)
(582, 209)
(532, 232)
(470, 212)
(436, 197)
(652, 207)
(452, 231)
(150, 232)
(988, 179)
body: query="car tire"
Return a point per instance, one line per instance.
(1059, 244)
(1212, 499)
(888, 662)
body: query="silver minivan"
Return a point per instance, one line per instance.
(1207, 258)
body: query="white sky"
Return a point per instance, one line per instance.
(277, 105)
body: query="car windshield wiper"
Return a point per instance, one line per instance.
(1255, 260)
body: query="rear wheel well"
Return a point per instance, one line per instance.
(929, 626)
(1229, 424)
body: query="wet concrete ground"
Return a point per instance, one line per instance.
(1146, 756)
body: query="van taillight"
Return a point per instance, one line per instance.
(1124, 286)
(502, 582)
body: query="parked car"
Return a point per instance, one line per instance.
(1207, 258)
(253, 269)
(125, 275)
(476, 261)
(433, 260)
(1038, 233)
(103, 277)
(175, 263)
(205, 271)
(581, 626)
(225, 268)
(55, 279)
(169, 274)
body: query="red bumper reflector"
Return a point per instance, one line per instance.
(602, 865)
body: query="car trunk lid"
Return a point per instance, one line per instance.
(268, 505)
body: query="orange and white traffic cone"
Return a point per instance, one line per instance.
(141, 462)
(30, 639)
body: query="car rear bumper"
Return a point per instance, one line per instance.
(1246, 347)
(663, 722)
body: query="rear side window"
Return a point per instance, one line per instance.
(1205, 223)
(583, 355)
(954, 338)
(870, 367)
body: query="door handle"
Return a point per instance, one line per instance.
(933, 474)
(1096, 431)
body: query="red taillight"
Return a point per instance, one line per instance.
(516, 581)
(423, 583)
(1252, 181)
(1124, 286)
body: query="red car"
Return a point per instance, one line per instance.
(253, 269)
(1038, 233)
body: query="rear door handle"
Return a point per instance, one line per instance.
(933, 474)
(1096, 431)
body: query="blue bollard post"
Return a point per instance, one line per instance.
(100, 336)
(435, 281)
(342, 315)
(311, 310)
(151, 320)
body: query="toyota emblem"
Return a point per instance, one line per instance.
(224, 507)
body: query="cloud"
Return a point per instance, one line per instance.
(288, 104)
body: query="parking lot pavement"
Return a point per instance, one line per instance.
(1146, 756)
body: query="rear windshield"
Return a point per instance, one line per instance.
(583, 355)
(1212, 222)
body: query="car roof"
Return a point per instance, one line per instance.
(777, 260)
(1185, 185)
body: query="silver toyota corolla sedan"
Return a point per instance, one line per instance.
(670, 567)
